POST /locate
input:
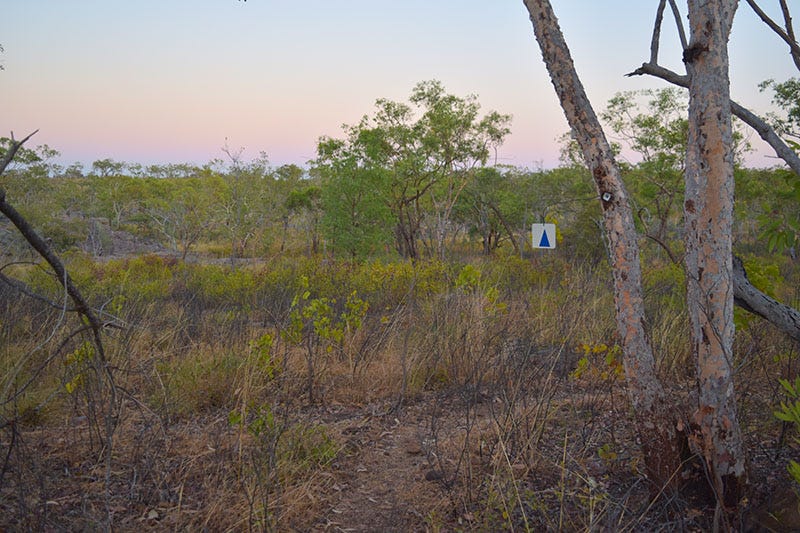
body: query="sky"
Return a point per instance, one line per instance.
(174, 81)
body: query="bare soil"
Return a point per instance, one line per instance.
(399, 468)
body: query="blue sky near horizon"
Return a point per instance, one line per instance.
(169, 81)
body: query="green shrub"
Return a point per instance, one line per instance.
(790, 412)
(197, 382)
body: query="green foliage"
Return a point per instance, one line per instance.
(491, 207)
(33, 162)
(315, 326)
(765, 275)
(297, 448)
(147, 277)
(664, 283)
(412, 166)
(199, 382)
(220, 283)
(75, 364)
(790, 412)
(781, 224)
(599, 363)
(657, 134)
(783, 227)
(517, 275)
(786, 95)
(356, 219)
(261, 348)
(468, 279)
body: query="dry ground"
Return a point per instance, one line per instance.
(397, 468)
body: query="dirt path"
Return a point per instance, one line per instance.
(384, 479)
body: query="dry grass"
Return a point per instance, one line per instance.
(450, 407)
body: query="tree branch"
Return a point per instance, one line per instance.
(12, 150)
(654, 42)
(763, 129)
(21, 287)
(749, 298)
(746, 295)
(787, 19)
(679, 24)
(44, 250)
(786, 35)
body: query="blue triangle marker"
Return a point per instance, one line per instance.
(544, 242)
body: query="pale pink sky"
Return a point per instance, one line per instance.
(169, 82)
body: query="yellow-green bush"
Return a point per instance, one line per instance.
(196, 382)
(220, 284)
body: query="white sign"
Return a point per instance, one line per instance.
(543, 236)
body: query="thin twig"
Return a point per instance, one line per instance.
(786, 35)
(12, 150)
(654, 42)
(679, 24)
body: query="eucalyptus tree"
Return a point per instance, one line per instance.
(656, 131)
(356, 216)
(746, 296)
(708, 208)
(108, 167)
(492, 208)
(653, 415)
(658, 136)
(183, 211)
(427, 149)
(304, 204)
(455, 140)
(287, 210)
(249, 199)
(708, 223)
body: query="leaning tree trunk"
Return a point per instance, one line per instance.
(708, 210)
(749, 298)
(654, 417)
(745, 295)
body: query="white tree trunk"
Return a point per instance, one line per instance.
(708, 209)
(655, 417)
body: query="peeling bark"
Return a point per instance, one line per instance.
(767, 134)
(655, 418)
(708, 216)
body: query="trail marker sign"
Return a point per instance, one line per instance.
(543, 236)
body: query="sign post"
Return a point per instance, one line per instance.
(543, 236)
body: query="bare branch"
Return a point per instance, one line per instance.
(751, 299)
(18, 391)
(664, 246)
(12, 150)
(787, 35)
(41, 246)
(763, 129)
(679, 24)
(24, 289)
(81, 306)
(787, 19)
(657, 31)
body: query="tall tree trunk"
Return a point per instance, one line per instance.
(655, 418)
(708, 209)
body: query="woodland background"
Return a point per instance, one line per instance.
(276, 335)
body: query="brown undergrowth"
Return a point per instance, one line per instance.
(478, 399)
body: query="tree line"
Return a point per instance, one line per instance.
(414, 180)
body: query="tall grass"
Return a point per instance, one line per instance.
(527, 424)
